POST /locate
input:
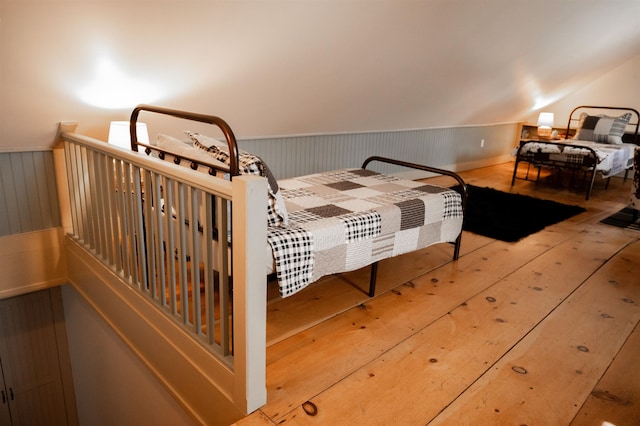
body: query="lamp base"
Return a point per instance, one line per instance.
(544, 132)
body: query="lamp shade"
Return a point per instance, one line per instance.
(119, 134)
(545, 123)
(545, 119)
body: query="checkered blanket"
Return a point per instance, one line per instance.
(347, 219)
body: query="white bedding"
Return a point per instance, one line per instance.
(611, 158)
(346, 219)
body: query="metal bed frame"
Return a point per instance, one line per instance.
(589, 163)
(234, 169)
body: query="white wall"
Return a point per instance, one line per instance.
(619, 87)
(284, 67)
(112, 386)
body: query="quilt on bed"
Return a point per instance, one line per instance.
(347, 219)
(611, 158)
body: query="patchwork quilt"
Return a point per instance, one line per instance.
(346, 219)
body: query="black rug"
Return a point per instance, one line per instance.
(623, 219)
(510, 217)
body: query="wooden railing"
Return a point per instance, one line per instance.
(151, 224)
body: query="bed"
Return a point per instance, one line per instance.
(324, 223)
(604, 141)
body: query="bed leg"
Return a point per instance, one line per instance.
(456, 247)
(515, 170)
(593, 178)
(372, 279)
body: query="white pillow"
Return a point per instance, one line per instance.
(207, 140)
(248, 164)
(184, 151)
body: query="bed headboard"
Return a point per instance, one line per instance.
(202, 118)
(631, 131)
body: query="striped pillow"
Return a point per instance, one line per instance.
(601, 128)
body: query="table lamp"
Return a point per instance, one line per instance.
(545, 123)
(119, 134)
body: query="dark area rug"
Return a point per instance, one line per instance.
(623, 219)
(510, 217)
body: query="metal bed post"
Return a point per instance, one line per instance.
(462, 191)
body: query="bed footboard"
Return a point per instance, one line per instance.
(461, 187)
(555, 155)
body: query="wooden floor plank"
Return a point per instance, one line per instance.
(561, 359)
(412, 381)
(326, 298)
(399, 270)
(328, 352)
(331, 295)
(334, 294)
(615, 400)
(431, 340)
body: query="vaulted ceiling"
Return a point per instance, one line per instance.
(303, 66)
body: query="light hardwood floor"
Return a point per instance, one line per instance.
(539, 332)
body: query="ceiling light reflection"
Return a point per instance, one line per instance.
(112, 88)
(543, 101)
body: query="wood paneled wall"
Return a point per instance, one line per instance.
(455, 148)
(29, 200)
(28, 196)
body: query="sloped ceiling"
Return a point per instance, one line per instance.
(306, 66)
